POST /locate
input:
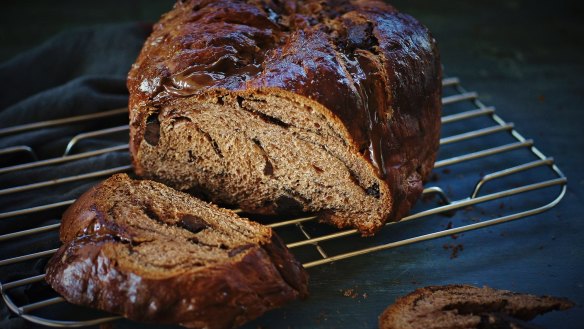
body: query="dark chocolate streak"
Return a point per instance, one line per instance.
(268, 167)
(152, 133)
(211, 141)
(192, 223)
(152, 214)
(353, 176)
(373, 190)
(267, 118)
(238, 250)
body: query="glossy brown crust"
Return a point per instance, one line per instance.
(86, 271)
(373, 68)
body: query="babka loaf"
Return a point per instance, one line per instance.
(153, 254)
(466, 307)
(330, 107)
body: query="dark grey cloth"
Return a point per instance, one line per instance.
(77, 63)
(77, 72)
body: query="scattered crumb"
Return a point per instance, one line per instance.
(348, 292)
(353, 293)
(541, 98)
(449, 226)
(454, 249)
(322, 317)
(502, 205)
(446, 171)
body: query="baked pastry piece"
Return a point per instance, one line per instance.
(466, 307)
(152, 254)
(331, 107)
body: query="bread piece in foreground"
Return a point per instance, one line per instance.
(465, 307)
(153, 254)
(330, 107)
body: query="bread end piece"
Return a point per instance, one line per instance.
(465, 306)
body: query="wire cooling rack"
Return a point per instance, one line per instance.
(486, 174)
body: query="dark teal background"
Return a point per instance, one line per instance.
(524, 57)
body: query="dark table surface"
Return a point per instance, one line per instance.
(526, 58)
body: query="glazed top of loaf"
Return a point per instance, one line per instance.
(362, 60)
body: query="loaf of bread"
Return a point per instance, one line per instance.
(466, 307)
(153, 254)
(330, 107)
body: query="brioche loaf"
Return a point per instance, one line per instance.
(330, 107)
(153, 254)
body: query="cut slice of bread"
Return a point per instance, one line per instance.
(153, 254)
(258, 152)
(466, 307)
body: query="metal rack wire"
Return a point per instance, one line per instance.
(463, 127)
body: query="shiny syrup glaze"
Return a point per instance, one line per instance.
(374, 68)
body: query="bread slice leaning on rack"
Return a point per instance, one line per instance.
(153, 254)
(329, 107)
